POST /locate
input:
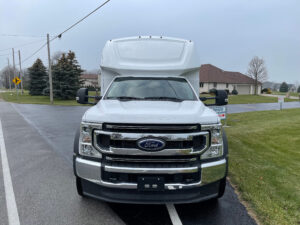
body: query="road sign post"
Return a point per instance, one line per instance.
(17, 81)
(280, 101)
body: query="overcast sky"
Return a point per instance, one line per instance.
(227, 33)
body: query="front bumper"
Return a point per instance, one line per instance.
(206, 188)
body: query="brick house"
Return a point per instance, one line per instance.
(214, 77)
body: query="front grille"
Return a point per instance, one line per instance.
(152, 128)
(133, 160)
(198, 142)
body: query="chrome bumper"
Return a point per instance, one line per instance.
(91, 171)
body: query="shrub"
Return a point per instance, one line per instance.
(266, 90)
(234, 92)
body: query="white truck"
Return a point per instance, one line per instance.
(150, 138)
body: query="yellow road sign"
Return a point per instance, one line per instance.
(16, 80)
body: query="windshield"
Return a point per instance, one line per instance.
(149, 88)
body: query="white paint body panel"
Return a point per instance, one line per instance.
(150, 112)
(154, 57)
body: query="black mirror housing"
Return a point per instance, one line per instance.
(221, 97)
(82, 96)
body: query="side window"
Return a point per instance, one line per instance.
(201, 84)
(227, 85)
(215, 85)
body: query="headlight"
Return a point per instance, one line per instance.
(216, 148)
(85, 141)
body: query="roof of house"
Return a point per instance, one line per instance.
(211, 74)
(89, 76)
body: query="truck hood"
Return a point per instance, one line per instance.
(150, 112)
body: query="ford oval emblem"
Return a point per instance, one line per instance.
(151, 144)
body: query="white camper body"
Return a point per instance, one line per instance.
(149, 56)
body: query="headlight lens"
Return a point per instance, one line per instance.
(216, 148)
(85, 141)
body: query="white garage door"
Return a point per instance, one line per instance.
(243, 89)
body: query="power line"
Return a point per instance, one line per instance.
(59, 35)
(22, 45)
(21, 35)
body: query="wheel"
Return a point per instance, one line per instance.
(79, 186)
(222, 187)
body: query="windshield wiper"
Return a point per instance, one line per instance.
(165, 99)
(124, 98)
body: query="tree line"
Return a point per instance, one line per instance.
(65, 77)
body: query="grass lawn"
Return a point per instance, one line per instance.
(28, 99)
(284, 93)
(250, 99)
(265, 163)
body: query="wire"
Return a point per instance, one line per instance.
(21, 35)
(18, 46)
(69, 28)
(28, 57)
(59, 35)
(5, 54)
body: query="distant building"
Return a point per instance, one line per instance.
(212, 77)
(90, 80)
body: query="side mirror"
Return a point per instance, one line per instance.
(221, 97)
(82, 97)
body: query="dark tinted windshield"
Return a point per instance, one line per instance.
(146, 88)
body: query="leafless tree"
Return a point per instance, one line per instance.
(56, 56)
(6, 76)
(257, 71)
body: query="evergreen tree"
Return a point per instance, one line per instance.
(298, 89)
(284, 87)
(66, 76)
(38, 78)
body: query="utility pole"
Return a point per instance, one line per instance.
(14, 66)
(49, 70)
(9, 78)
(20, 72)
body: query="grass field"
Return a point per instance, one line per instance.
(250, 99)
(265, 163)
(27, 99)
(283, 93)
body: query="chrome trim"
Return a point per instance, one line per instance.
(151, 127)
(213, 171)
(161, 170)
(137, 136)
(90, 170)
(119, 159)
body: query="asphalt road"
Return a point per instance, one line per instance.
(39, 142)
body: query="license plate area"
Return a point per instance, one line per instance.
(151, 183)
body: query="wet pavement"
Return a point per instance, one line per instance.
(46, 133)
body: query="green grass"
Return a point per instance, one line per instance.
(265, 163)
(249, 99)
(28, 99)
(284, 93)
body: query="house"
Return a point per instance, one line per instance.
(214, 77)
(90, 79)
